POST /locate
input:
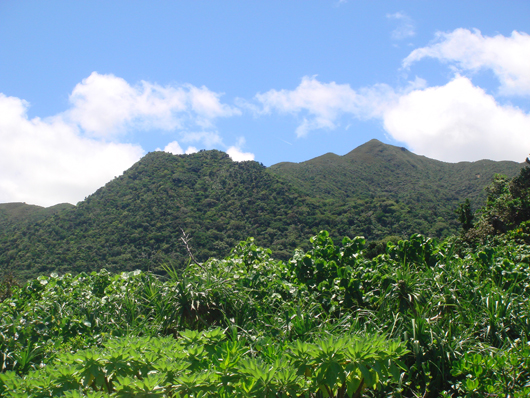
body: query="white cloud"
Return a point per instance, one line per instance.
(405, 28)
(459, 121)
(207, 106)
(507, 57)
(174, 148)
(46, 162)
(208, 138)
(237, 154)
(68, 156)
(454, 122)
(106, 105)
(324, 103)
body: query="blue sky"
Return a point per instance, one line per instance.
(88, 87)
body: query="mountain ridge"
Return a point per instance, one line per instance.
(137, 219)
(375, 157)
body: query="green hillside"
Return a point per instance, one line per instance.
(423, 319)
(19, 213)
(386, 190)
(385, 170)
(137, 220)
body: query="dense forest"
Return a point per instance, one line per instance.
(425, 318)
(137, 221)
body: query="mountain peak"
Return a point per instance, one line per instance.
(375, 148)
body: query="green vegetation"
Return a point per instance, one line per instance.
(20, 213)
(416, 318)
(465, 215)
(507, 208)
(424, 318)
(136, 221)
(323, 324)
(380, 190)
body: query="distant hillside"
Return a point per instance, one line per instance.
(386, 189)
(136, 220)
(19, 213)
(380, 169)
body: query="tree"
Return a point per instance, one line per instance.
(465, 215)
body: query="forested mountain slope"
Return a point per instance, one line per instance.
(423, 319)
(397, 191)
(137, 220)
(19, 213)
(379, 169)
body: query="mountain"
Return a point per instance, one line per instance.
(137, 220)
(18, 213)
(388, 190)
(379, 169)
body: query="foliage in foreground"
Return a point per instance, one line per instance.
(455, 312)
(206, 364)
